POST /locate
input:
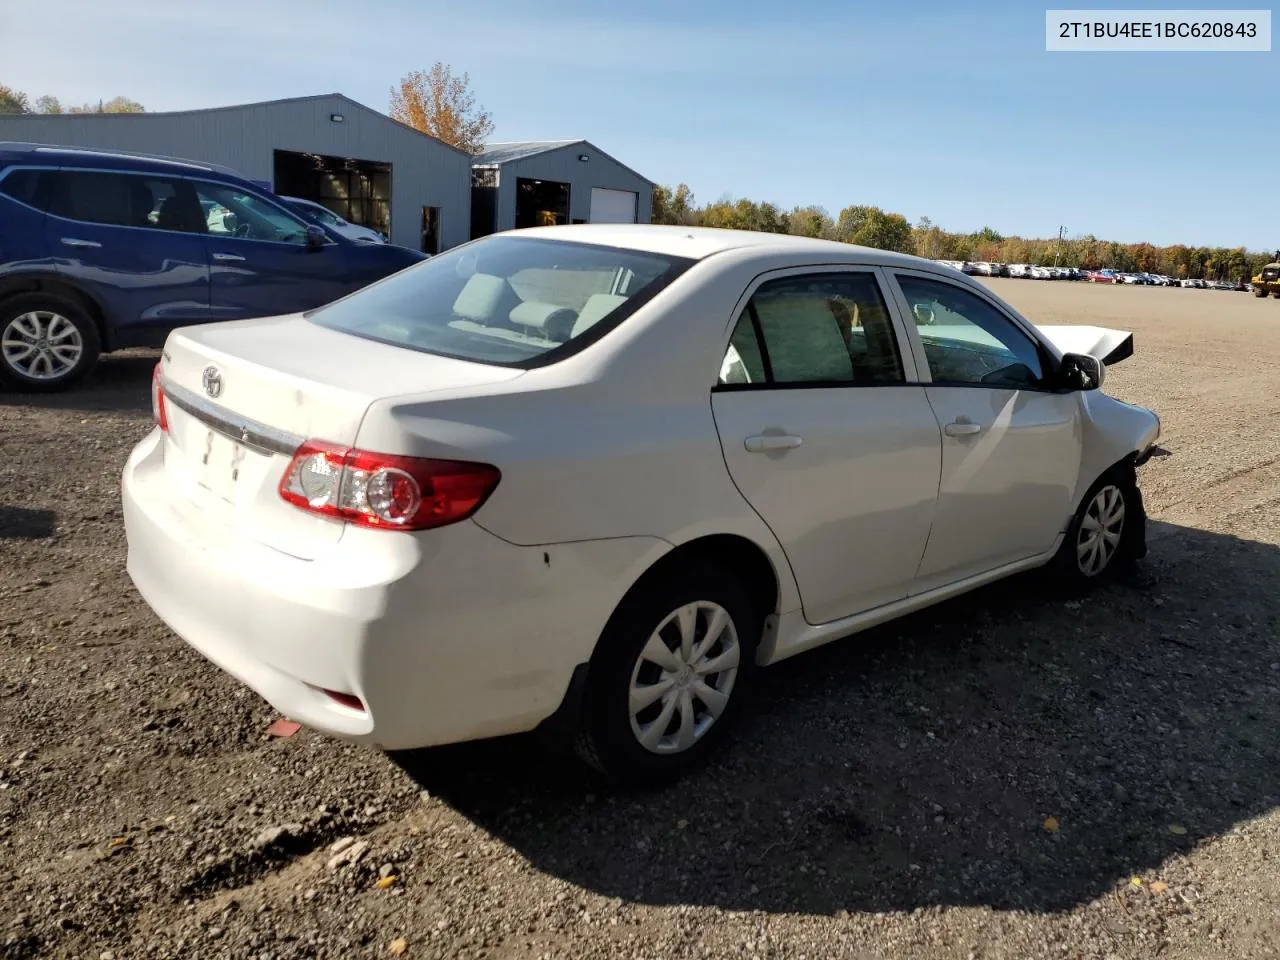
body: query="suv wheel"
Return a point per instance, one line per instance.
(46, 343)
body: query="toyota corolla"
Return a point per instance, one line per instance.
(599, 475)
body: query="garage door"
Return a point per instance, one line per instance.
(613, 206)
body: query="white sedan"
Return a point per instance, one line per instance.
(592, 477)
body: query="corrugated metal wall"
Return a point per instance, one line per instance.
(564, 166)
(424, 172)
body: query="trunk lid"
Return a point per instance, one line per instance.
(240, 398)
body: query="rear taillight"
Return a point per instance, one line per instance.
(157, 400)
(384, 490)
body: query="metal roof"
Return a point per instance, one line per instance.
(519, 149)
(286, 101)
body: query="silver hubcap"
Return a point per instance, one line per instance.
(683, 678)
(41, 344)
(1100, 531)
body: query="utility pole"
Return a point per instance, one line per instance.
(1057, 254)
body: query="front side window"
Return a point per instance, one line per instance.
(967, 341)
(824, 328)
(504, 300)
(232, 212)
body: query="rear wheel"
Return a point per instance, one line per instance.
(670, 675)
(1260, 292)
(46, 343)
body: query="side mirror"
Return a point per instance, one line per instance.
(1080, 371)
(316, 237)
(924, 313)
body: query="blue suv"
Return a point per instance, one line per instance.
(104, 251)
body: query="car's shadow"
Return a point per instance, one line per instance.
(119, 383)
(1008, 749)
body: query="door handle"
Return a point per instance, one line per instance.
(76, 242)
(962, 428)
(769, 442)
(228, 257)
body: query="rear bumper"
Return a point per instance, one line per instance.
(447, 635)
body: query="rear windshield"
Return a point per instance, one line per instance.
(505, 300)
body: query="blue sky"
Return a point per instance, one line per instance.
(951, 111)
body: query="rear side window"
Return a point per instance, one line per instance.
(124, 200)
(27, 186)
(824, 328)
(504, 300)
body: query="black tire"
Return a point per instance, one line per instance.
(86, 338)
(1074, 571)
(606, 739)
(1260, 292)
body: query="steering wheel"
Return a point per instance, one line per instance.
(242, 231)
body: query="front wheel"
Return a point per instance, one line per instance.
(1107, 535)
(670, 675)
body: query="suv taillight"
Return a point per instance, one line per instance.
(384, 490)
(157, 400)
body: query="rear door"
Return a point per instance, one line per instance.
(828, 438)
(1011, 445)
(132, 241)
(260, 263)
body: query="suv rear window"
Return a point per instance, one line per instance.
(505, 300)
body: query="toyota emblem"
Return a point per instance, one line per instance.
(212, 381)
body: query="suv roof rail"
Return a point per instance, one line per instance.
(50, 148)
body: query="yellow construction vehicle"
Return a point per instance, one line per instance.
(1268, 280)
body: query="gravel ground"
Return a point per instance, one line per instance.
(1006, 775)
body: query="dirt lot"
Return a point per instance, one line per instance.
(888, 797)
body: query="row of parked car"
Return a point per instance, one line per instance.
(1029, 271)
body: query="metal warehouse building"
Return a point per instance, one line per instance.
(548, 182)
(361, 164)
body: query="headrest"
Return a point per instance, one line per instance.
(481, 298)
(597, 307)
(551, 319)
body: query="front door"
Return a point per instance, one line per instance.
(132, 241)
(1011, 446)
(259, 262)
(828, 439)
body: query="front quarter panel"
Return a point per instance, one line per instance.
(1113, 430)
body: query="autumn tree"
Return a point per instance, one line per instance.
(443, 106)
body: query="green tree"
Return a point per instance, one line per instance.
(13, 101)
(114, 105)
(48, 105)
(674, 207)
(809, 222)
